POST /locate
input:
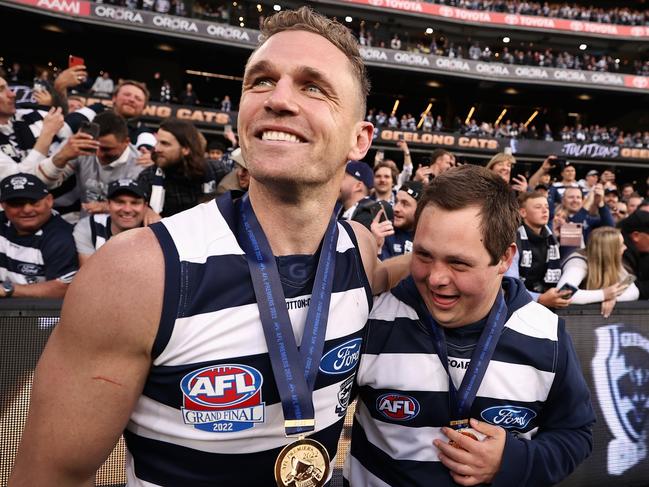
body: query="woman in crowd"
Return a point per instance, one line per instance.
(502, 164)
(597, 272)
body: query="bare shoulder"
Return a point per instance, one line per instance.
(119, 289)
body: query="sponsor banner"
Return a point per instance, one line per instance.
(445, 140)
(177, 25)
(497, 19)
(575, 150)
(504, 72)
(78, 8)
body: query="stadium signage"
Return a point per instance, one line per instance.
(174, 23)
(500, 20)
(440, 139)
(118, 14)
(70, 7)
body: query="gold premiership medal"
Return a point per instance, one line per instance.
(303, 463)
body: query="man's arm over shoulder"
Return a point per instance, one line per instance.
(95, 364)
(382, 275)
(565, 437)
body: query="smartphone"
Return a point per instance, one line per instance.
(90, 128)
(568, 287)
(400, 136)
(559, 164)
(75, 61)
(375, 210)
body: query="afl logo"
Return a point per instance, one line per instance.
(343, 358)
(397, 407)
(223, 398)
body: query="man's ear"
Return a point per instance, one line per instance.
(363, 134)
(506, 259)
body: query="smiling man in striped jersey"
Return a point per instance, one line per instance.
(516, 410)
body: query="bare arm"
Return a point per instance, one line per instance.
(95, 364)
(383, 276)
(54, 289)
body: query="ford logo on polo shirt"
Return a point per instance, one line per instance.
(342, 358)
(510, 417)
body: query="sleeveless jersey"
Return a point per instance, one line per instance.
(403, 392)
(210, 413)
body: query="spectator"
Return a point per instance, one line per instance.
(395, 43)
(75, 103)
(96, 163)
(568, 180)
(385, 179)
(396, 238)
(37, 248)
(129, 100)
(597, 215)
(634, 201)
(598, 273)
(226, 104)
(620, 212)
(180, 178)
(238, 179)
(355, 190)
(441, 161)
(589, 182)
(188, 96)
(502, 164)
(103, 86)
(611, 198)
(635, 230)
(537, 259)
(126, 208)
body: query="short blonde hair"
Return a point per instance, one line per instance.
(500, 157)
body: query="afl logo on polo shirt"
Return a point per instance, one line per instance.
(224, 398)
(397, 407)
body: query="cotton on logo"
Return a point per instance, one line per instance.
(397, 407)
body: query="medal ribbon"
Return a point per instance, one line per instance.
(462, 399)
(294, 369)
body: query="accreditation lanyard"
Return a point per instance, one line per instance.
(461, 400)
(294, 369)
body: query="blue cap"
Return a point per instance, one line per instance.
(22, 186)
(362, 172)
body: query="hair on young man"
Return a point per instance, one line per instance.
(474, 186)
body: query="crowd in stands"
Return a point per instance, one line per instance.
(616, 15)
(381, 36)
(578, 133)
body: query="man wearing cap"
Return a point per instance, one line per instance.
(588, 183)
(238, 179)
(355, 190)
(395, 238)
(38, 259)
(126, 208)
(635, 230)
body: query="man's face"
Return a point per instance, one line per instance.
(404, 211)
(443, 163)
(573, 200)
(28, 216)
(503, 169)
(168, 151)
(215, 154)
(243, 177)
(383, 180)
(7, 100)
(569, 174)
(126, 211)
(633, 204)
(536, 212)
(641, 241)
(300, 117)
(592, 180)
(451, 266)
(627, 191)
(110, 148)
(611, 200)
(620, 211)
(129, 101)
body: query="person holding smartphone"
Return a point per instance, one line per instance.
(537, 258)
(596, 274)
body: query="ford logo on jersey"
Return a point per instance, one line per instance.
(397, 407)
(223, 398)
(511, 417)
(343, 358)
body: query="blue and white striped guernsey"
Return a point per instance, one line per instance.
(210, 413)
(533, 387)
